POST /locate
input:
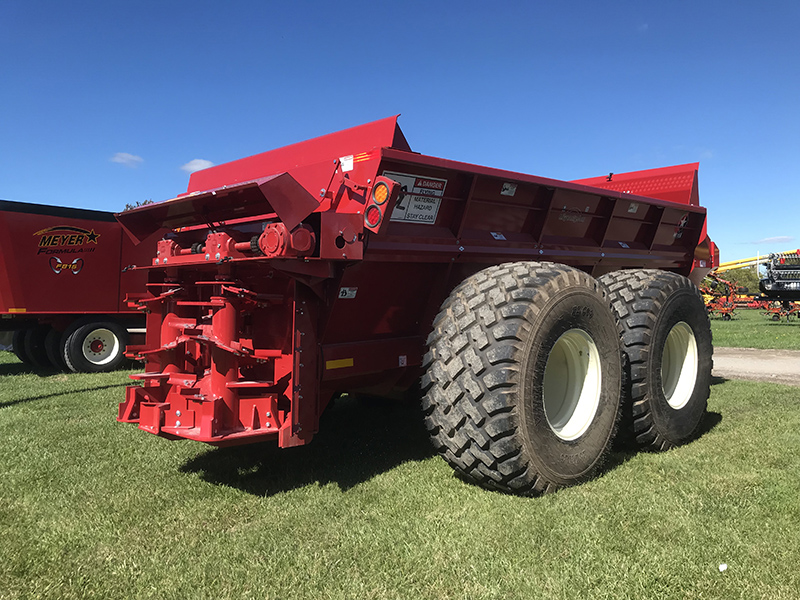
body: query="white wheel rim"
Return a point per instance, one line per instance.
(100, 346)
(571, 385)
(679, 366)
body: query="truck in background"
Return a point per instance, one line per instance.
(63, 280)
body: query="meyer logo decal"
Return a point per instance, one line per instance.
(74, 267)
(571, 215)
(66, 239)
(681, 226)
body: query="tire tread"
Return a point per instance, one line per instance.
(473, 372)
(637, 297)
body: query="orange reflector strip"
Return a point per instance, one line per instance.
(17, 310)
(338, 364)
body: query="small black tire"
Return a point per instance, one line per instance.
(665, 337)
(511, 349)
(54, 347)
(95, 347)
(34, 346)
(18, 346)
(726, 317)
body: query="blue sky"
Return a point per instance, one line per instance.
(103, 103)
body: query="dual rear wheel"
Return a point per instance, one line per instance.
(86, 346)
(665, 338)
(532, 365)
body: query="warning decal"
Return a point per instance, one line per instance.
(420, 198)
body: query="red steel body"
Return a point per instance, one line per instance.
(318, 268)
(60, 263)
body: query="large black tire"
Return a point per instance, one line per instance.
(94, 347)
(18, 346)
(665, 337)
(54, 347)
(34, 346)
(522, 378)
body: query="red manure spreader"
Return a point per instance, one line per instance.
(62, 285)
(534, 317)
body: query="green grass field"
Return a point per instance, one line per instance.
(90, 508)
(751, 329)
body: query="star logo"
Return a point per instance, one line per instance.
(91, 236)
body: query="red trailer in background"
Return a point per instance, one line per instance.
(62, 285)
(349, 263)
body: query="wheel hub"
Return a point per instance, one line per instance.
(101, 346)
(679, 365)
(572, 379)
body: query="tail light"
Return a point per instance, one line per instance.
(382, 195)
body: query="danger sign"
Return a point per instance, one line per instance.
(420, 198)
